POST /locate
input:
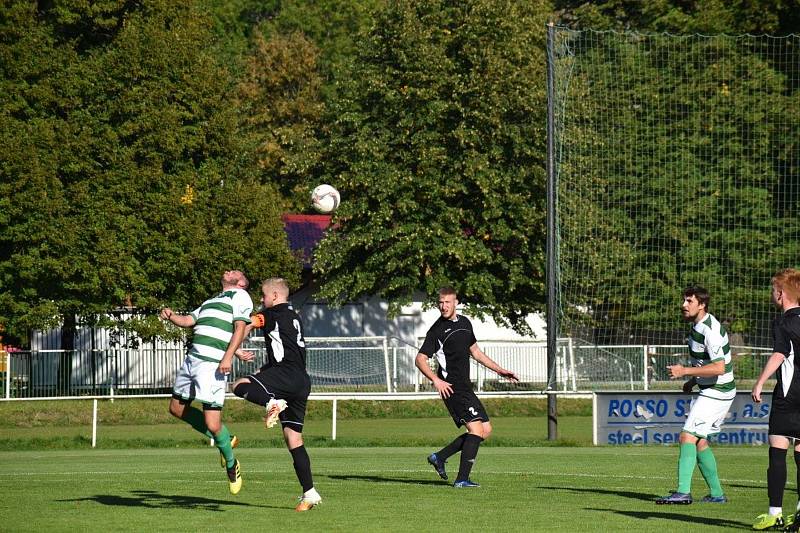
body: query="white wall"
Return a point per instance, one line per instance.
(368, 318)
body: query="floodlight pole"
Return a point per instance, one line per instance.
(552, 292)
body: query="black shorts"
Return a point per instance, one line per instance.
(290, 386)
(464, 406)
(784, 419)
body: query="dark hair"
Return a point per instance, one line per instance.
(701, 293)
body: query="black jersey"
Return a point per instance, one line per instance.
(785, 338)
(450, 341)
(283, 335)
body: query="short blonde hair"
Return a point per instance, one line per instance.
(788, 280)
(279, 284)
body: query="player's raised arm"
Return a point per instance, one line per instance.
(183, 321)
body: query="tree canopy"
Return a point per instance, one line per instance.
(437, 145)
(125, 181)
(147, 146)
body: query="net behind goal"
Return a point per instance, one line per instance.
(676, 163)
(364, 364)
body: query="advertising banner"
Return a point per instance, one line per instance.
(657, 418)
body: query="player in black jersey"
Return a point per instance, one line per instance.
(784, 416)
(282, 385)
(452, 341)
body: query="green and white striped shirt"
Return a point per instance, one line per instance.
(708, 343)
(213, 323)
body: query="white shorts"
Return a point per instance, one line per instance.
(706, 416)
(200, 380)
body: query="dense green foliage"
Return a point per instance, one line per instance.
(437, 144)
(774, 17)
(146, 146)
(125, 180)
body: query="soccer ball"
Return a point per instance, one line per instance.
(325, 198)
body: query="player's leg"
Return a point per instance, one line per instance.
(292, 420)
(687, 460)
(472, 442)
(183, 392)
(776, 481)
(717, 411)
(263, 389)
(708, 468)
(210, 386)
(792, 521)
(705, 417)
(183, 409)
(478, 429)
(438, 459)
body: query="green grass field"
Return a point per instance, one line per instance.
(371, 489)
(151, 473)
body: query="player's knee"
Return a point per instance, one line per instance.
(241, 387)
(176, 409)
(292, 438)
(487, 430)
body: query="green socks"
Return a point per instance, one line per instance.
(194, 417)
(223, 443)
(708, 467)
(707, 463)
(686, 464)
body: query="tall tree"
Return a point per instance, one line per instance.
(437, 146)
(280, 97)
(775, 17)
(128, 182)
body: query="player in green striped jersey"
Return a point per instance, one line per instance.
(218, 329)
(712, 371)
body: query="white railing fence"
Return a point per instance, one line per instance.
(354, 365)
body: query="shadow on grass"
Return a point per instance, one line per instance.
(762, 486)
(624, 493)
(383, 479)
(677, 517)
(154, 500)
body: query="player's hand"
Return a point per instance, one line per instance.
(676, 371)
(756, 392)
(225, 366)
(508, 374)
(444, 388)
(244, 355)
(166, 313)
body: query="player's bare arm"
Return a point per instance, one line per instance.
(226, 364)
(487, 361)
(444, 388)
(717, 368)
(256, 321)
(182, 321)
(773, 364)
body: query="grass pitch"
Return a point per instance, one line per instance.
(373, 489)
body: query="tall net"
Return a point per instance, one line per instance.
(676, 160)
